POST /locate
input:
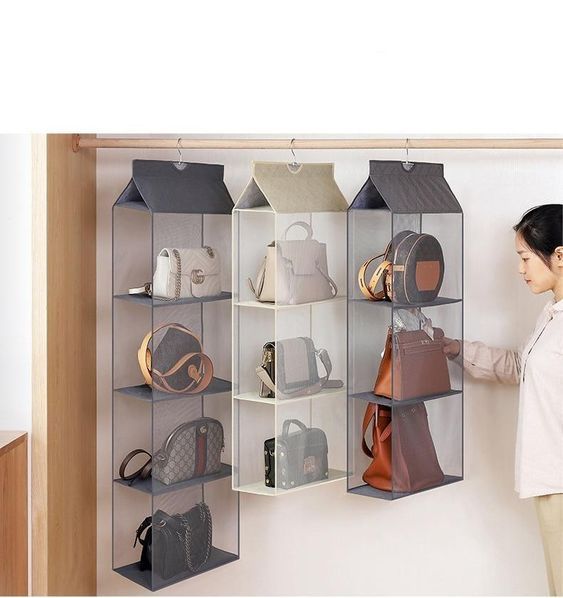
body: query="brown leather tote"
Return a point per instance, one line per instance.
(378, 474)
(403, 454)
(417, 369)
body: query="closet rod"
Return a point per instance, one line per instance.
(301, 144)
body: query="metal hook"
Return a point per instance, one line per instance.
(179, 149)
(408, 166)
(294, 163)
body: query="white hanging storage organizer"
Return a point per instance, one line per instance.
(289, 329)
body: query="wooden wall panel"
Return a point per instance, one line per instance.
(64, 369)
(13, 514)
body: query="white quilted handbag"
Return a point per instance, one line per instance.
(182, 273)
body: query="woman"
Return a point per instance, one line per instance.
(539, 371)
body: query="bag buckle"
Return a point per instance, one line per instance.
(198, 276)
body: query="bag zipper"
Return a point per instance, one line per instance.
(194, 423)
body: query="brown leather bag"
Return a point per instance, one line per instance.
(418, 369)
(403, 454)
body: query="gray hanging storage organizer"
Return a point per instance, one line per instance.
(405, 400)
(289, 357)
(177, 188)
(171, 395)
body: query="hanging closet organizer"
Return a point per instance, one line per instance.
(289, 435)
(417, 408)
(172, 205)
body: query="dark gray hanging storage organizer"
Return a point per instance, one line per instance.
(174, 206)
(414, 424)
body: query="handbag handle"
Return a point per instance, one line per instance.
(287, 423)
(146, 523)
(302, 224)
(372, 413)
(369, 289)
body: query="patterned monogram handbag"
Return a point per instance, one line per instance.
(192, 450)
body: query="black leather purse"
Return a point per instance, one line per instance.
(175, 544)
(302, 456)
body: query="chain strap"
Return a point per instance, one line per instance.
(186, 540)
(178, 278)
(197, 277)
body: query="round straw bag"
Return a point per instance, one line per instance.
(177, 364)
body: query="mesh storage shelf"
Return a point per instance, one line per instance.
(176, 406)
(289, 339)
(405, 398)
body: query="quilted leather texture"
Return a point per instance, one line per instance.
(200, 268)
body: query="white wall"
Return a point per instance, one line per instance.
(471, 538)
(15, 296)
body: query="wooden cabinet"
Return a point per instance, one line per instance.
(13, 514)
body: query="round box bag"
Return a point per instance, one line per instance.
(177, 363)
(412, 270)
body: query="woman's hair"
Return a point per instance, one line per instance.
(541, 229)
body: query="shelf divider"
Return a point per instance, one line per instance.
(145, 393)
(156, 488)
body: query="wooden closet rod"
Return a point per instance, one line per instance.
(301, 144)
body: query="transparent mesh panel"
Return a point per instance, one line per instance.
(293, 332)
(253, 425)
(402, 388)
(183, 418)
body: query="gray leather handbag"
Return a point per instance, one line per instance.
(302, 456)
(296, 366)
(192, 450)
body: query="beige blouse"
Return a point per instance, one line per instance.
(539, 371)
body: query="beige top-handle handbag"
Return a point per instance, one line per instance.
(302, 271)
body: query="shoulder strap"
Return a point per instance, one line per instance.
(324, 382)
(144, 354)
(372, 413)
(200, 380)
(144, 524)
(142, 473)
(368, 417)
(369, 289)
(333, 287)
(260, 277)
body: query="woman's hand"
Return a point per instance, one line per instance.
(451, 347)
